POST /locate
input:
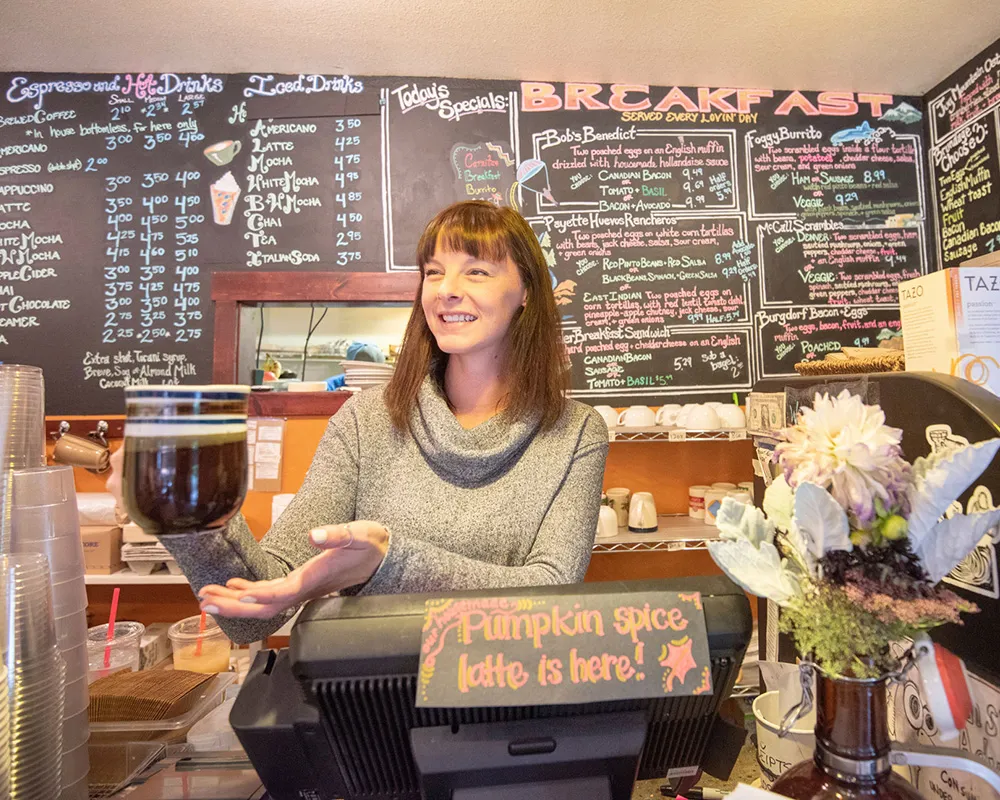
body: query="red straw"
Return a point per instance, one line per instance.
(201, 630)
(111, 626)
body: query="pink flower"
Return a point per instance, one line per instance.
(936, 607)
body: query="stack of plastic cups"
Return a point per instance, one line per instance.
(44, 520)
(4, 735)
(35, 679)
(22, 432)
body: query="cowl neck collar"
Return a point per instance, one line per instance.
(472, 456)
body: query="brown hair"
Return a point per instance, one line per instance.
(536, 357)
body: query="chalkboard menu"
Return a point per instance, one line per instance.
(697, 239)
(963, 119)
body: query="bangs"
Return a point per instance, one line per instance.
(478, 229)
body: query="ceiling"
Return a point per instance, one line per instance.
(897, 46)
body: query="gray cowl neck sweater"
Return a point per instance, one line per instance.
(504, 504)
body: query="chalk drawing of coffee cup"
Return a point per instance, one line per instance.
(221, 153)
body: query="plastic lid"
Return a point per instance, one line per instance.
(187, 630)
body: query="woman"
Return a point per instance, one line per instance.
(469, 470)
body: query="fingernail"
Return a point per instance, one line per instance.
(248, 599)
(318, 535)
(211, 609)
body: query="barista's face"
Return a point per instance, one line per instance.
(470, 304)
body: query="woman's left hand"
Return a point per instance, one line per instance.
(350, 555)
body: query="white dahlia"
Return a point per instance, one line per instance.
(843, 445)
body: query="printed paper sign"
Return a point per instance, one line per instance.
(541, 650)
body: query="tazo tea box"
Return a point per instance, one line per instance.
(951, 324)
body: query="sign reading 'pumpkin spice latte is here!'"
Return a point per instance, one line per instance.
(542, 650)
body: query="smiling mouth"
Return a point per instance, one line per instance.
(456, 319)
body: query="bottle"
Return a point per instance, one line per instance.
(852, 746)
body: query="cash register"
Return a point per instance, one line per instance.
(335, 714)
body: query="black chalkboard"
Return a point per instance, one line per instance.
(964, 159)
(694, 236)
(699, 235)
(445, 141)
(145, 185)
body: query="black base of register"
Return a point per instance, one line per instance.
(335, 715)
(291, 752)
(595, 765)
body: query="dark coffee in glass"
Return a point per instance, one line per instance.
(185, 456)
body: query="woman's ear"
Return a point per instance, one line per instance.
(524, 297)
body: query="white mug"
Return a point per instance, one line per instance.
(667, 415)
(607, 523)
(609, 415)
(637, 417)
(731, 416)
(684, 413)
(703, 418)
(619, 498)
(642, 513)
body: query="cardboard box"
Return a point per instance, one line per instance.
(951, 324)
(102, 549)
(133, 534)
(154, 646)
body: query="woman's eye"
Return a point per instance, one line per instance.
(478, 271)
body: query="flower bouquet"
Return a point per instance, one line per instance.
(853, 544)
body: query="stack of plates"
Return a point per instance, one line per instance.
(35, 680)
(364, 374)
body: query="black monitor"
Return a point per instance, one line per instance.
(334, 716)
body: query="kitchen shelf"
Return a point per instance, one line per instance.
(281, 355)
(676, 533)
(126, 576)
(661, 434)
(293, 357)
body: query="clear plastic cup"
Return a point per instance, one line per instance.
(69, 597)
(77, 661)
(71, 630)
(27, 608)
(124, 648)
(213, 653)
(75, 764)
(77, 697)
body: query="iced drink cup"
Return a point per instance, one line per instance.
(225, 193)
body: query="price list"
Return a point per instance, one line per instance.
(152, 279)
(349, 194)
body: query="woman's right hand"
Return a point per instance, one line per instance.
(349, 554)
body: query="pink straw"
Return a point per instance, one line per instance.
(111, 626)
(201, 631)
